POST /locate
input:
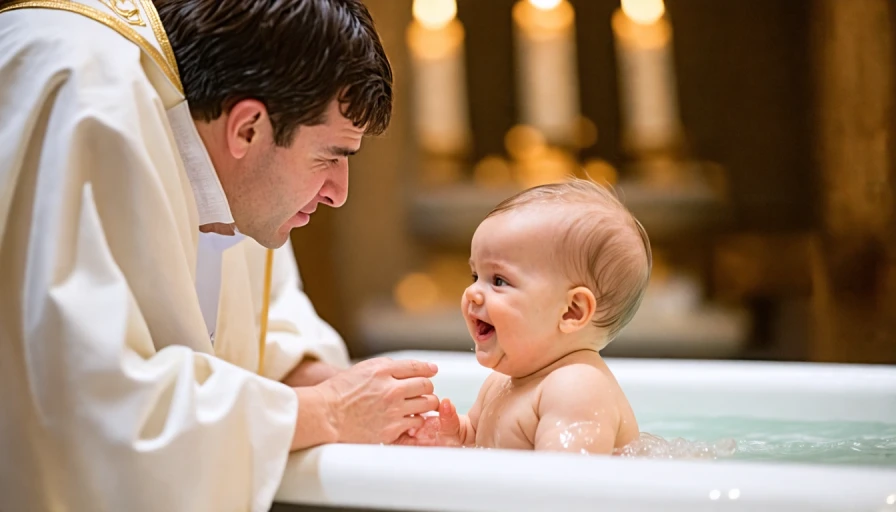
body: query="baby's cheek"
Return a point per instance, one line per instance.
(527, 316)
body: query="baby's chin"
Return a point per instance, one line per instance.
(489, 358)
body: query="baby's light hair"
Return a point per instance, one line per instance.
(603, 246)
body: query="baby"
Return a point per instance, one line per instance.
(558, 271)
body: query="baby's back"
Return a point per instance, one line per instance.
(577, 406)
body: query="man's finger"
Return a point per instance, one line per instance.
(405, 439)
(400, 430)
(420, 404)
(416, 386)
(410, 368)
(411, 422)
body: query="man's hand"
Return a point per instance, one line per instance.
(377, 400)
(310, 372)
(442, 430)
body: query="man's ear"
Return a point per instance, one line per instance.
(580, 308)
(246, 121)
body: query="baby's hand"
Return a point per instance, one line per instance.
(441, 430)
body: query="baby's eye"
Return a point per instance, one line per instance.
(499, 281)
(475, 278)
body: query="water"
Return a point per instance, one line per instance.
(830, 442)
(650, 446)
(736, 438)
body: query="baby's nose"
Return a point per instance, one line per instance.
(474, 296)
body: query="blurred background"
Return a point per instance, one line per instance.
(754, 140)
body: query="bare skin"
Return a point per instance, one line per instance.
(550, 389)
(574, 405)
(374, 401)
(272, 189)
(309, 372)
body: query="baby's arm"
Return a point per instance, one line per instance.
(472, 416)
(577, 412)
(449, 428)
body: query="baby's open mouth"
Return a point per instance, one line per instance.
(483, 329)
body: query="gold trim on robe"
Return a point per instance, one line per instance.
(168, 65)
(128, 11)
(162, 37)
(116, 24)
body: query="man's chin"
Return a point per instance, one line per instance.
(267, 239)
(275, 242)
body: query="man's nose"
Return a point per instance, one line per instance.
(335, 190)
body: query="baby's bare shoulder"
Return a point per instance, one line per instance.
(576, 387)
(576, 376)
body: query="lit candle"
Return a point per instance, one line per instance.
(547, 72)
(646, 76)
(436, 41)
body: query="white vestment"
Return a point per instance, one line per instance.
(117, 393)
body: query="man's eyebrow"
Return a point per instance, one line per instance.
(341, 151)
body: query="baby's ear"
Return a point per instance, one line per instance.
(580, 307)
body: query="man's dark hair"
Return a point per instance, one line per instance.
(295, 56)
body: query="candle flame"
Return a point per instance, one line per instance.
(434, 14)
(644, 12)
(545, 5)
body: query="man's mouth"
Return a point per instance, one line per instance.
(303, 216)
(298, 220)
(483, 330)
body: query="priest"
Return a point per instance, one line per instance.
(156, 349)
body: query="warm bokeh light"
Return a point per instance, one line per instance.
(524, 142)
(545, 5)
(644, 12)
(492, 171)
(434, 14)
(601, 172)
(416, 292)
(587, 133)
(552, 165)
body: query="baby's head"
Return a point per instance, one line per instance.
(556, 269)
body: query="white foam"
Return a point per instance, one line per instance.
(650, 446)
